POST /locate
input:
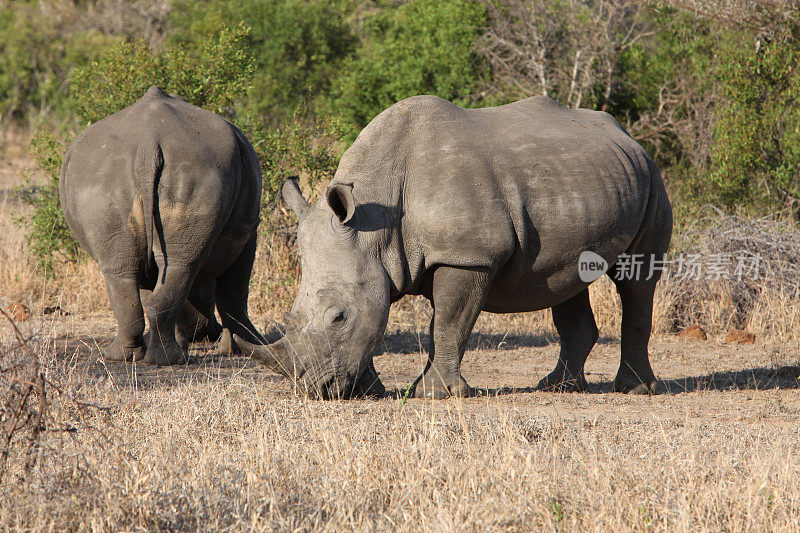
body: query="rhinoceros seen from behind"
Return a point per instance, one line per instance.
(165, 196)
(477, 210)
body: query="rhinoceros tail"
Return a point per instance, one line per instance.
(149, 165)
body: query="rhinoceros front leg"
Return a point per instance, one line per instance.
(123, 293)
(577, 330)
(457, 296)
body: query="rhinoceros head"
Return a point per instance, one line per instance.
(342, 305)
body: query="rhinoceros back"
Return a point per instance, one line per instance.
(152, 177)
(521, 189)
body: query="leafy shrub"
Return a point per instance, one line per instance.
(302, 146)
(38, 50)
(47, 229)
(420, 47)
(756, 153)
(298, 46)
(214, 76)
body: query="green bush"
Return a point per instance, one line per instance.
(302, 146)
(214, 75)
(420, 47)
(298, 46)
(47, 229)
(38, 51)
(756, 154)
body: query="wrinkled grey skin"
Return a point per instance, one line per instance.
(165, 196)
(477, 210)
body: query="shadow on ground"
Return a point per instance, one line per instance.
(784, 377)
(82, 353)
(407, 342)
(781, 378)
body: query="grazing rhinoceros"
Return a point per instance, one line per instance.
(477, 210)
(165, 196)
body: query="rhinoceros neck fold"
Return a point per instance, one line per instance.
(378, 191)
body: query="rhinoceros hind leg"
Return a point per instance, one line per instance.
(163, 307)
(577, 329)
(457, 296)
(635, 375)
(196, 321)
(233, 288)
(123, 294)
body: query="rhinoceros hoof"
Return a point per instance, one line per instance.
(635, 386)
(117, 351)
(168, 353)
(558, 381)
(369, 384)
(438, 388)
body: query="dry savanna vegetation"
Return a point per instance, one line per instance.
(223, 444)
(710, 88)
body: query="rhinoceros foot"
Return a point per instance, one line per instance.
(166, 353)
(119, 350)
(369, 384)
(438, 387)
(561, 381)
(630, 383)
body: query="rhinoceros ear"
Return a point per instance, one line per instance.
(290, 192)
(340, 198)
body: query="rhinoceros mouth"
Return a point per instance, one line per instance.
(316, 381)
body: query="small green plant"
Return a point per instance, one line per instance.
(302, 146)
(557, 508)
(47, 229)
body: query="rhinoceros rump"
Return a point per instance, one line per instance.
(165, 197)
(477, 210)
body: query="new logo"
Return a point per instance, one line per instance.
(591, 266)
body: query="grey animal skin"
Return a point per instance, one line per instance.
(477, 210)
(165, 196)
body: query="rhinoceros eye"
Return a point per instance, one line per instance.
(335, 316)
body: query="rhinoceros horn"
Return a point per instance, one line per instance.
(275, 356)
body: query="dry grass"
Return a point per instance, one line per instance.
(226, 446)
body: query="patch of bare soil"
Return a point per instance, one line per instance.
(755, 383)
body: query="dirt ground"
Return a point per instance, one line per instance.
(700, 380)
(222, 443)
